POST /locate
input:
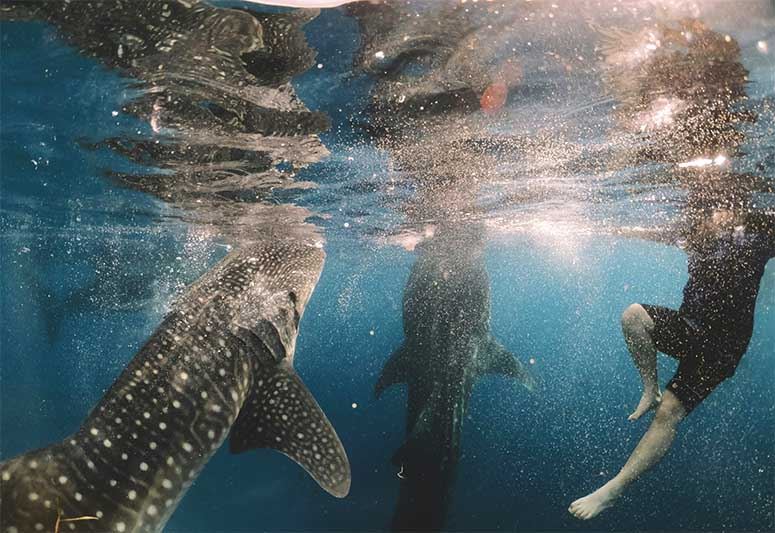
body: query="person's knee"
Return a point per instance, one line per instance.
(634, 318)
(670, 411)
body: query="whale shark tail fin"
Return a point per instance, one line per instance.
(394, 372)
(282, 414)
(498, 360)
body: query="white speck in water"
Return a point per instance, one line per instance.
(320, 65)
(355, 405)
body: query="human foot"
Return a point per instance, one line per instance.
(593, 504)
(650, 400)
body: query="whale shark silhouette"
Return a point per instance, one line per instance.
(448, 346)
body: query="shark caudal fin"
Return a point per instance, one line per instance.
(395, 371)
(498, 360)
(281, 414)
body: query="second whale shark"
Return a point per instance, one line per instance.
(448, 346)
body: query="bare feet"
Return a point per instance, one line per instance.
(650, 400)
(593, 504)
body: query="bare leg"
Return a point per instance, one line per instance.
(637, 327)
(650, 450)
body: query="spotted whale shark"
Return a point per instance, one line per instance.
(220, 365)
(448, 346)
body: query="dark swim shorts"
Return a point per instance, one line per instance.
(707, 356)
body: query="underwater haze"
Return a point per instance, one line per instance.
(450, 203)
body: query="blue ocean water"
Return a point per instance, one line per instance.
(526, 456)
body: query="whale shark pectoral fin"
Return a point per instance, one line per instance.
(281, 414)
(395, 371)
(498, 360)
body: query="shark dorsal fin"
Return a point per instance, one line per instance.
(498, 360)
(281, 414)
(396, 371)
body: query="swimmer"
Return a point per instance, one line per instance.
(709, 333)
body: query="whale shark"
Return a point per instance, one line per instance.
(219, 365)
(447, 347)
